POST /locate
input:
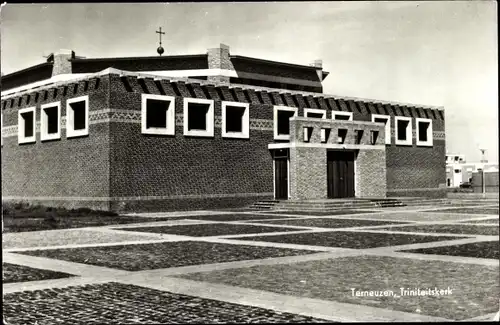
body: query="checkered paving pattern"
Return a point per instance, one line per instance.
(274, 268)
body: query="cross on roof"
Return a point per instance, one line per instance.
(160, 32)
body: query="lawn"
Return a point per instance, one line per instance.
(23, 218)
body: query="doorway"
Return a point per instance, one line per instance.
(340, 174)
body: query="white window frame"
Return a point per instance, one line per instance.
(341, 113)
(209, 132)
(429, 141)
(387, 126)
(44, 135)
(409, 131)
(277, 108)
(170, 123)
(315, 111)
(70, 131)
(20, 129)
(245, 128)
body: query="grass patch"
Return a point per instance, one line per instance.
(22, 217)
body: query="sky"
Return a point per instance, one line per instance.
(430, 53)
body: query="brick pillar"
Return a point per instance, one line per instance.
(218, 58)
(62, 63)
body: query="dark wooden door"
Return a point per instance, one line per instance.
(340, 173)
(281, 178)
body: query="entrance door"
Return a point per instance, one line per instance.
(340, 173)
(281, 178)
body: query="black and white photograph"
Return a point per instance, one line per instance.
(249, 162)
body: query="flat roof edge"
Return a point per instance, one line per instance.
(110, 71)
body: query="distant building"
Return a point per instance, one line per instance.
(206, 131)
(459, 171)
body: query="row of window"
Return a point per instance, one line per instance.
(403, 127)
(158, 117)
(77, 117)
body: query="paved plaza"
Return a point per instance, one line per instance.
(260, 267)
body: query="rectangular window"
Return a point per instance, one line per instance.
(325, 134)
(358, 136)
(345, 116)
(314, 113)
(373, 137)
(158, 114)
(77, 117)
(282, 115)
(403, 130)
(235, 120)
(424, 132)
(386, 120)
(50, 121)
(198, 117)
(342, 133)
(26, 127)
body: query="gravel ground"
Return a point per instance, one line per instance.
(164, 255)
(450, 229)
(345, 239)
(214, 229)
(475, 289)
(63, 237)
(115, 303)
(487, 249)
(329, 222)
(21, 273)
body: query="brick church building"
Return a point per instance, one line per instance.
(206, 131)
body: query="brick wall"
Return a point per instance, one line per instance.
(370, 173)
(308, 165)
(66, 172)
(178, 172)
(308, 178)
(186, 172)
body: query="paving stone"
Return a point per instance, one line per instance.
(321, 213)
(21, 273)
(478, 210)
(133, 304)
(163, 255)
(474, 288)
(347, 239)
(485, 249)
(451, 229)
(213, 229)
(330, 223)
